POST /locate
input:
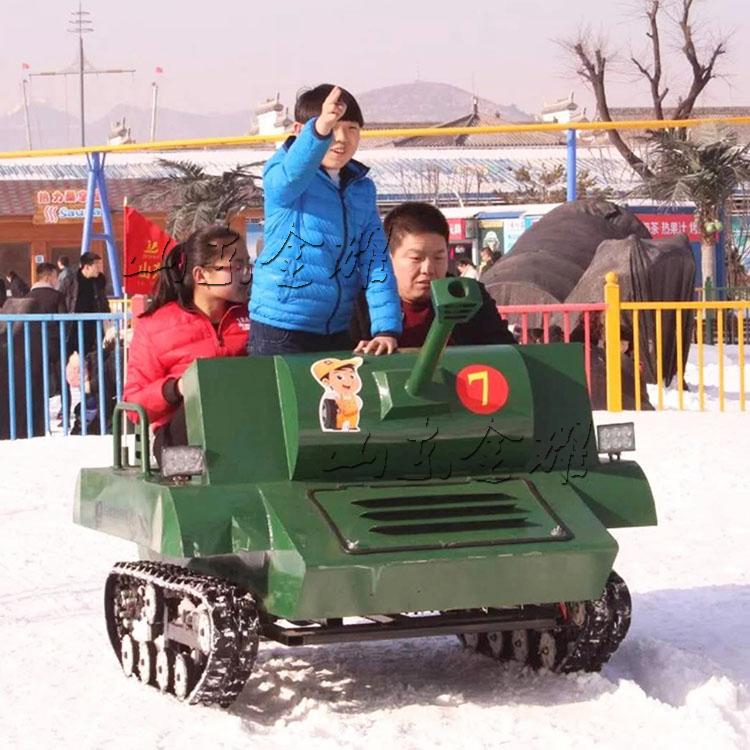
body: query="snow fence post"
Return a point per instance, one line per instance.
(612, 342)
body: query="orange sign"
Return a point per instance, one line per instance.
(482, 389)
(62, 206)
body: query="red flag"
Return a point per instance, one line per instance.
(159, 69)
(145, 249)
(25, 66)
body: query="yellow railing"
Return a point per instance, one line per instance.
(680, 310)
(252, 140)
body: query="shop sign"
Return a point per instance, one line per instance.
(62, 206)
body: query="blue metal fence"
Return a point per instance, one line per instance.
(81, 332)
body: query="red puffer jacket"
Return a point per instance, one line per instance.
(165, 343)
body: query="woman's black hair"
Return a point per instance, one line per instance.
(175, 282)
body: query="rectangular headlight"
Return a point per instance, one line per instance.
(182, 461)
(615, 438)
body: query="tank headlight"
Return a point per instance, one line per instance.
(613, 439)
(182, 461)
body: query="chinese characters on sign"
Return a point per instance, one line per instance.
(668, 225)
(565, 451)
(62, 206)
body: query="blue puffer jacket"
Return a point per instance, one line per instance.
(322, 245)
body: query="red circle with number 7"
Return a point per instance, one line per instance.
(482, 389)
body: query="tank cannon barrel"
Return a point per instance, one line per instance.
(454, 301)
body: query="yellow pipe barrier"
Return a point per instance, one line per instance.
(615, 307)
(701, 392)
(251, 140)
(612, 342)
(720, 339)
(729, 305)
(637, 359)
(741, 353)
(659, 360)
(680, 378)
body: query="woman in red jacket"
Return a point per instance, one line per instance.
(199, 310)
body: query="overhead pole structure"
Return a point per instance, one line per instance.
(81, 24)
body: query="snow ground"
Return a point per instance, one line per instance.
(680, 679)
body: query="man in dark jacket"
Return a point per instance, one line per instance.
(44, 290)
(418, 236)
(84, 291)
(48, 302)
(3, 292)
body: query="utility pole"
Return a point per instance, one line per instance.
(155, 94)
(81, 24)
(26, 114)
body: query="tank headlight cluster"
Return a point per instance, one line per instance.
(180, 461)
(613, 439)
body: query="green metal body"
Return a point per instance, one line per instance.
(428, 506)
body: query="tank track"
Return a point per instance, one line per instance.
(196, 636)
(588, 634)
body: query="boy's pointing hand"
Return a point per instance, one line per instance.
(330, 113)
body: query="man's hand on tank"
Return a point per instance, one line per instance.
(377, 345)
(330, 113)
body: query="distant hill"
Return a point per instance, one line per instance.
(424, 101)
(51, 128)
(421, 101)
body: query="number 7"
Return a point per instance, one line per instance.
(482, 376)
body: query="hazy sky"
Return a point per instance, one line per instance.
(225, 55)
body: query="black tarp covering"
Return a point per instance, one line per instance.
(550, 257)
(647, 270)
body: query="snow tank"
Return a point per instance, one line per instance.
(332, 497)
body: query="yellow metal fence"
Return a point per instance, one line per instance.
(706, 317)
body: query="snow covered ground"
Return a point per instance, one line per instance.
(680, 679)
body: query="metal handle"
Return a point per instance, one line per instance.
(120, 409)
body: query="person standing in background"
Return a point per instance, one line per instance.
(63, 265)
(16, 285)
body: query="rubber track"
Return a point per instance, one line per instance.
(234, 619)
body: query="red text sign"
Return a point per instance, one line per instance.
(668, 225)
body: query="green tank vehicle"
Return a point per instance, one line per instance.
(340, 498)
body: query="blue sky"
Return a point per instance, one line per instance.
(226, 55)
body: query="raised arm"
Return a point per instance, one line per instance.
(285, 178)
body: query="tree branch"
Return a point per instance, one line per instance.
(702, 73)
(654, 79)
(592, 68)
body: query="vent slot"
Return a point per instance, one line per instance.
(451, 527)
(460, 512)
(433, 500)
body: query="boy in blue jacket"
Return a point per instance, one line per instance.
(323, 240)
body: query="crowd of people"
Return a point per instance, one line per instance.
(56, 288)
(331, 276)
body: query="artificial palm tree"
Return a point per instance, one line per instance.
(194, 198)
(707, 168)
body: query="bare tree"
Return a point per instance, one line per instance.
(593, 61)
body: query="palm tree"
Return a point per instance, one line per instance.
(193, 198)
(706, 168)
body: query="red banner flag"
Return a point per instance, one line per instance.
(25, 66)
(145, 249)
(159, 69)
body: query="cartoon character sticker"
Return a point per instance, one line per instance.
(339, 405)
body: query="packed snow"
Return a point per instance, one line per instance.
(680, 679)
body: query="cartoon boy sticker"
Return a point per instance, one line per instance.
(339, 405)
